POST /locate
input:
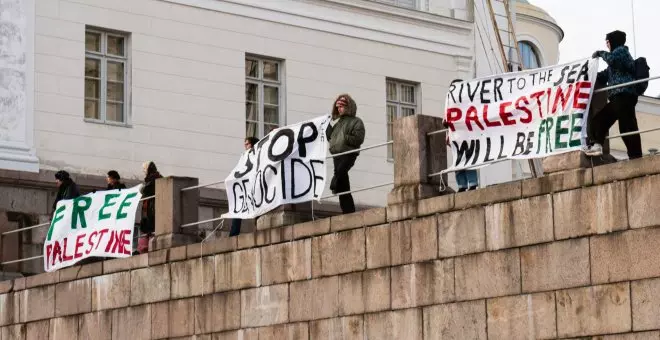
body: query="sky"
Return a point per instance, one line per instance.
(585, 23)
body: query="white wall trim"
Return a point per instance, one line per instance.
(551, 25)
(537, 46)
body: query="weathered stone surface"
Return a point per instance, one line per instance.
(628, 169)
(292, 331)
(241, 334)
(132, 323)
(19, 284)
(421, 284)
(281, 234)
(246, 240)
(496, 193)
(110, 291)
(218, 245)
(65, 328)
(358, 219)
(312, 228)
(461, 232)
(351, 294)
(378, 246)
(96, 325)
(81, 272)
(286, 262)
(158, 257)
(367, 291)
(412, 191)
(401, 324)
(42, 279)
(655, 335)
(37, 303)
(347, 328)
(237, 270)
(594, 310)
(150, 284)
(401, 211)
(565, 161)
(645, 304)
(182, 317)
(129, 263)
(414, 240)
(456, 321)
(435, 205)
(643, 196)
(556, 265)
(595, 210)
(13, 332)
(160, 320)
(73, 297)
(9, 308)
(519, 223)
(192, 277)
(314, 299)
(178, 253)
(217, 312)
(556, 182)
(39, 330)
(630, 255)
(529, 316)
(326, 260)
(6, 286)
(490, 274)
(265, 306)
(279, 218)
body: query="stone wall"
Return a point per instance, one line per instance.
(569, 255)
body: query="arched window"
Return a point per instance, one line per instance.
(530, 58)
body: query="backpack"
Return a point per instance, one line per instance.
(641, 72)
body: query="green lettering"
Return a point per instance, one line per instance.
(560, 132)
(58, 217)
(549, 124)
(79, 211)
(107, 203)
(541, 131)
(576, 129)
(120, 212)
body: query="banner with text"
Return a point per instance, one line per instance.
(521, 115)
(286, 166)
(94, 225)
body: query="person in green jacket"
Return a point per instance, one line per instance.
(345, 133)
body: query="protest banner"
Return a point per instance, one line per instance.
(521, 115)
(94, 225)
(286, 166)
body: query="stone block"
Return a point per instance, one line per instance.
(530, 316)
(192, 277)
(421, 284)
(519, 223)
(37, 303)
(645, 304)
(630, 255)
(39, 330)
(111, 291)
(237, 270)
(351, 294)
(401, 211)
(132, 323)
(178, 253)
(286, 262)
(96, 325)
(81, 272)
(378, 246)
(556, 265)
(486, 275)
(181, 317)
(73, 297)
(9, 308)
(13, 332)
(312, 228)
(655, 335)
(279, 218)
(414, 240)
(293, 331)
(65, 328)
(160, 320)
(326, 260)
(265, 306)
(456, 321)
(565, 161)
(594, 210)
(643, 196)
(493, 194)
(401, 324)
(168, 241)
(626, 170)
(412, 192)
(241, 334)
(281, 234)
(346, 328)
(158, 257)
(6, 286)
(358, 219)
(19, 284)
(43, 279)
(594, 310)
(435, 205)
(25, 200)
(314, 299)
(151, 284)
(376, 290)
(556, 182)
(129, 263)
(461, 232)
(217, 312)
(246, 240)
(218, 245)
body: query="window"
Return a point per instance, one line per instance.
(263, 96)
(401, 102)
(106, 74)
(530, 59)
(412, 4)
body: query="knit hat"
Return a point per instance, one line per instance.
(62, 175)
(616, 39)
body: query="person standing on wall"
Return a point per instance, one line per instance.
(465, 179)
(148, 221)
(622, 100)
(345, 133)
(66, 188)
(114, 181)
(249, 144)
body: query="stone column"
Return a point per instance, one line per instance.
(173, 209)
(9, 244)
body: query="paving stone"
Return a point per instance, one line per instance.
(295, 331)
(489, 195)
(434, 205)
(96, 325)
(358, 219)
(135, 323)
(37, 303)
(9, 308)
(39, 330)
(643, 196)
(65, 328)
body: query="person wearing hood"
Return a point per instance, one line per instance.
(345, 133)
(114, 181)
(66, 188)
(249, 143)
(622, 100)
(148, 221)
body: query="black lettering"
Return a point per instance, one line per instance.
(464, 150)
(265, 181)
(288, 133)
(543, 77)
(315, 177)
(511, 84)
(498, 89)
(248, 168)
(563, 73)
(248, 199)
(283, 180)
(530, 145)
(260, 182)
(488, 143)
(524, 82)
(520, 144)
(295, 161)
(569, 79)
(484, 90)
(302, 140)
(584, 72)
(533, 78)
(237, 184)
(500, 155)
(473, 94)
(452, 87)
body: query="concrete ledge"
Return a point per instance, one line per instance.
(649, 165)
(556, 182)
(494, 194)
(565, 161)
(129, 263)
(358, 219)
(435, 205)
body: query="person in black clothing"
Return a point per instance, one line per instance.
(249, 143)
(148, 222)
(66, 187)
(113, 180)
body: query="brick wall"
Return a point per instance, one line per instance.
(569, 255)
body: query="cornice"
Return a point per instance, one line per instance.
(549, 24)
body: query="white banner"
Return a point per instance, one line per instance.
(94, 225)
(286, 166)
(520, 115)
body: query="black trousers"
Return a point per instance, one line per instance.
(341, 183)
(620, 108)
(235, 227)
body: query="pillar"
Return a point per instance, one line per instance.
(173, 209)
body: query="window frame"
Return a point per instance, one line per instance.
(261, 82)
(399, 104)
(534, 51)
(103, 56)
(396, 3)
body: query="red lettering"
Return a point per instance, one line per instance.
(90, 243)
(117, 241)
(126, 242)
(537, 96)
(452, 115)
(489, 123)
(111, 242)
(581, 95)
(64, 256)
(102, 232)
(473, 116)
(79, 244)
(49, 251)
(564, 99)
(528, 118)
(506, 115)
(57, 253)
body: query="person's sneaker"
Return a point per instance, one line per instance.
(595, 150)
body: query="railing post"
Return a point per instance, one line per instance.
(174, 208)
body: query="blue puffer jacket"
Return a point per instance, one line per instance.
(620, 69)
